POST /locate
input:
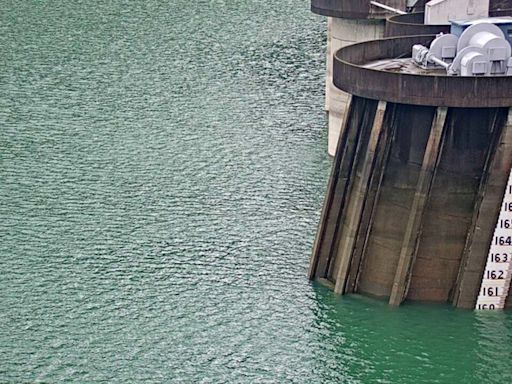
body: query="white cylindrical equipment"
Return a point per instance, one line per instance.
(474, 64)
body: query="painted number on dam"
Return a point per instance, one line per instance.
(497, 275)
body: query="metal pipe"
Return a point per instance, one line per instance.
(387, 7)
(439, 61)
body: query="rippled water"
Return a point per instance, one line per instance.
(162, 169)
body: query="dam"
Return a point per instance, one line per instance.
(419, 177)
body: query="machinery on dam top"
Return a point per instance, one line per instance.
(353, 21)
(421, 170)
(479, 50)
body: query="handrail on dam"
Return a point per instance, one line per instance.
(387, 8)
(357, 9)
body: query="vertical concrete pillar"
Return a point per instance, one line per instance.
(358, 195)
(395, 199)
(370, 204)
(412, 231)
(351, 147)
(335, 196)
(487, 208)
(343, 32)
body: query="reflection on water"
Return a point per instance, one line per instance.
(162, 168)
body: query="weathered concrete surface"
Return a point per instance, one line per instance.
(486, 211)
(323, 261)
(396, 196)
(413, 201)
(341, 33)
(416, 214)
(354, 9)
(358, 195)
(442, 11)
(382, 152)
(451, 206)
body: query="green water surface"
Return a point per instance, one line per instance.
(162, 170)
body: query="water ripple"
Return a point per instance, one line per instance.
(162, 168)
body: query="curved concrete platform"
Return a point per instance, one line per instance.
(354, 9)
(346, 9)
(351, 74)
(412, 24)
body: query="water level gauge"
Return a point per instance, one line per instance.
(498, 271)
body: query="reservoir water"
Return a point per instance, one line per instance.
(162, 171)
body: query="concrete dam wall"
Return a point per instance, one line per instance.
(417, 182)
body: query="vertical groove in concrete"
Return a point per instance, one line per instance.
(496, 137)
(352, 170)
(412, 230)
(334, 197)
(347, 148)
(383, 149)
(319, 255)
(451, 205)
(358, 195)
(411, 130)
(487, 207)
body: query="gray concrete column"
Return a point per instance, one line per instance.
(352, 145)
(343, 32)
(487, 209)
(358, 195)
(412, 231)
(369, 208)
